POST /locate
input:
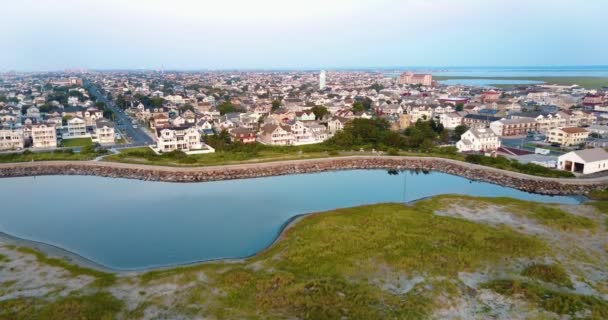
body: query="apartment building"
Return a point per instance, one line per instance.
(513, 127)
(567, 136)
(412, 78)
(77, 128)
(11, 138)
(44, 136)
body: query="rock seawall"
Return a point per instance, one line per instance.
(174, 174)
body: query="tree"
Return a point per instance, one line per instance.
(367, 103)
(276, 104)
(185, 107)
(319, 111)
(459, 131)
(376, 86)
(459, 107)
(358, 107)
(226, 107)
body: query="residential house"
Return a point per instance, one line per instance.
(306, 115)
(242, 135)
(450, 120)
(273, 134)
(336, 124)
(104, 132)
(185, 139)
(478, 140)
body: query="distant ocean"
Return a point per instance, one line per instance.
(561, 71)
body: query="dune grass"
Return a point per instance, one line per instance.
(103, 279)
(545, 214)
(100, 305)
(548, 273)
(77, 142)
(562, 303)
(585, 82)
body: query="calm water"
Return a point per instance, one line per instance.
(531, 71)
(131, 224)
(486, 82)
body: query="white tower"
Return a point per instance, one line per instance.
(322, 78)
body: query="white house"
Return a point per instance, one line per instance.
(104, 132)
(77, 128)
(273, 134)
(479, 140)
(584, 161)
(186, 139)
(450, 120)
(11, 138)
(43, 136)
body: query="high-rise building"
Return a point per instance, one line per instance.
(411, 78)
(322, 79)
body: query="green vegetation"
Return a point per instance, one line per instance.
(548, 273)
(600, 195)
(27, 156)
(102, 278)
(544, 214)
(239, 154)
(562, 303)
(585, 82)
(79, 142)
(100, 305)
(501, 162)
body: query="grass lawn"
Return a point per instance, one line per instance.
(337, 264)
(78, 142)
(585, 82)
(44, 156)
(145, 155)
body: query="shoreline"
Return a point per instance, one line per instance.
(520, 181)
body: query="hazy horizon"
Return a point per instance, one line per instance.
(55, 35)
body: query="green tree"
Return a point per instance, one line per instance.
(319, 111)
(185, 107)
(226, 107)
(459, 107)
(459, 131)
(376, 86)
(276, 104)
(358, 107)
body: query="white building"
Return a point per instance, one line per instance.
(584, 161)
(44, 136)
(450, 120)
(77, 128)
(185, 139)
(104, 132)
(478, 140)
(322, 80)
(11, 138)
(273, 134)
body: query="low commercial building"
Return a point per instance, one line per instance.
(584, 161)
(478, 140)
(567, 136)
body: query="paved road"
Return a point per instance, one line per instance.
(136, 136)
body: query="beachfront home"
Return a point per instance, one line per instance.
(478, 140)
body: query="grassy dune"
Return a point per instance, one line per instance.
(585, 82)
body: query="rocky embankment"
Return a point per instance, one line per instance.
(175, 174)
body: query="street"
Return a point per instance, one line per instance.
(136, 136)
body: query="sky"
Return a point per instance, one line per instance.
(40, 35)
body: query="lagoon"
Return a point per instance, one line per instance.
(134, 225)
